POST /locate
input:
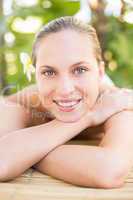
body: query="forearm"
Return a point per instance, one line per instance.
(78, 164)
(104, 166)
(21, 149)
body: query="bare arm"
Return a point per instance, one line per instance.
(78, 128)
(104, 166)
(20, 149)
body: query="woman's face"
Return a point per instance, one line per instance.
(67, 74)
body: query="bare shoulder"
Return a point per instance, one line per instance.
(20, 110)
(28, 99)
(121, 119)
(13, 116)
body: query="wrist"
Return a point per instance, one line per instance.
(93, 119)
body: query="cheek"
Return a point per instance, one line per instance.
(46, 96)
(45, 91)
(90, 88)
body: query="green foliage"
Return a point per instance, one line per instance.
(23, 41)
(119, 42)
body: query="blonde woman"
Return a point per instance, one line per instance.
(70, 97)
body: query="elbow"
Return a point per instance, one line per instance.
(110, 180)
(5, 174)
(111, 176)
(111, 171)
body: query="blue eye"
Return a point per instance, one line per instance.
(80, 70)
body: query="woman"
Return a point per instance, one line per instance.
(70, 96)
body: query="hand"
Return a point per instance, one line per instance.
(111, 102)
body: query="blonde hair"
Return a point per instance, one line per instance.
(67, 22)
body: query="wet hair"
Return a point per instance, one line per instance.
(71, 23)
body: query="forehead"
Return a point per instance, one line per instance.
(65, 48)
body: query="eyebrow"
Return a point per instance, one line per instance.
(78, 63)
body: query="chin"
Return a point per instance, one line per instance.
(69, 119)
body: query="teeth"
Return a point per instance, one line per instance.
(68, 104)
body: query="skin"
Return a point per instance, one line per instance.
(115, 148)
(76, 76)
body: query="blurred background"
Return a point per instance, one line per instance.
(21, 19)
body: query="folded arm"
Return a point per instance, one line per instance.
(103, 166)
(22, 147)
(14, 162)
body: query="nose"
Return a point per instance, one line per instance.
(65, 87)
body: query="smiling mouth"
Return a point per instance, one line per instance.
(68, 105)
